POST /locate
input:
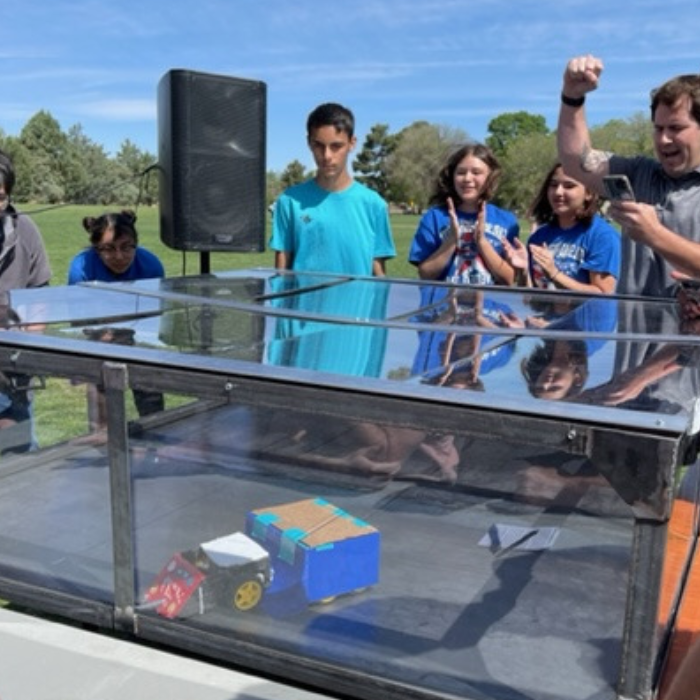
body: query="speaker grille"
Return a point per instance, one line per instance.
(211, 153)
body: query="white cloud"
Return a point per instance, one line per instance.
(118, 110)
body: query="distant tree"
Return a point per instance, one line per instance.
(22, 162)
(370, 166)
(510, 126)
(53, 166)
(412, 167)
(274, 186)
(525, 162)
(88, 172)
(137, 185)
(626, 137)
(49, 156)
(293, 174)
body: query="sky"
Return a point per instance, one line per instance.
(458, 63)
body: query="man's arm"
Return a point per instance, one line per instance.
(582, 162)
(578, 158)
(641, 223)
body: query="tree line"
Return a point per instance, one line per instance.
(54, 166)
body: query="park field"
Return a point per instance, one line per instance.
(64, 236)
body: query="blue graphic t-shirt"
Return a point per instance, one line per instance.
(466, 266)
(578, 251)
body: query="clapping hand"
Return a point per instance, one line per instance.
(516, 253)
(544, 258)
(454, 228)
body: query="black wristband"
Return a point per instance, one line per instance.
(573, 101)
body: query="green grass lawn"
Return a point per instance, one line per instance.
(64, 236)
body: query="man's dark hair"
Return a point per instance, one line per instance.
(676, 88)
(7, 172)
(331, 114)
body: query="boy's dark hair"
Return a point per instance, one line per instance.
(122, 222)
(445, 184)
(331, 114)
(541, 209)
(672, 90)
(7, 172)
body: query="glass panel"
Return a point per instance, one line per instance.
(499, 345)
(55, 505)
(55, 518)
(445, 561)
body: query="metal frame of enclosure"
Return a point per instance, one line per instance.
(528, 459)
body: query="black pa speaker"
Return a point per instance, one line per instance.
(211, 158)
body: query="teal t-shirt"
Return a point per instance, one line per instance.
(340, 232)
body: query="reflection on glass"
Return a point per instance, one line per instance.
(146, 402)
(481, 522)
(196, 326)
(557, 369)
(340, 445)
(655, 377)
(456, 358)
(16, 412)
(348, 349)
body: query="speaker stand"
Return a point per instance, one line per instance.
(206, 318)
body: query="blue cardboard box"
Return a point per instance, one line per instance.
(316, 549)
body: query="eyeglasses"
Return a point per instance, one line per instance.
(110, 250)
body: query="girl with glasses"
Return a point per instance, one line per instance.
(114, 254)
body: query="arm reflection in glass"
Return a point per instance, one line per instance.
(629, 385)
(640, 384)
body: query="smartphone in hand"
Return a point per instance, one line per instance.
(618, 188)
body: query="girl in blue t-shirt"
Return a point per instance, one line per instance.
(462, 237)
(114, 254)
(572, 247)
